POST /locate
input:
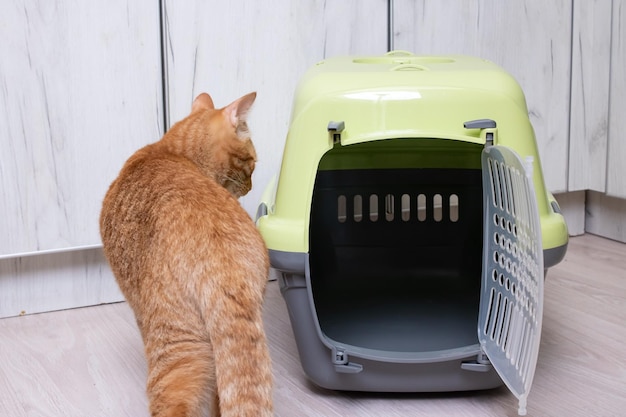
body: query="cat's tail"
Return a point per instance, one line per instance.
(181, 373)
(242, 361)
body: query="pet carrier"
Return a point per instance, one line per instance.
(411, 226)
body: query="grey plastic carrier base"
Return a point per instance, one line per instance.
(355, 368)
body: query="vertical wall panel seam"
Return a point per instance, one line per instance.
(608, 116)
(390, 19)
(571, 86)
(164, 72)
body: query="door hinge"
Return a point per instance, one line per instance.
(480, 364)
(334, 130)
(342, 364)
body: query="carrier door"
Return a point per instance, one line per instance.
(511, 304)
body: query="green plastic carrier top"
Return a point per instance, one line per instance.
(392, 107)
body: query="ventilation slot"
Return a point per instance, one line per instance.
(437, 208)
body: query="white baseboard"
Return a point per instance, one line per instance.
(605, 216)
(58, 281)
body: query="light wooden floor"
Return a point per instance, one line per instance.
(89, 362)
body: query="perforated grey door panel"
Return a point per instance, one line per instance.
(511, 306)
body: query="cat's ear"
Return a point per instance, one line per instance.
(237, 111)
(202, 102)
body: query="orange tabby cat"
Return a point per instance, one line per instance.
(192, 265)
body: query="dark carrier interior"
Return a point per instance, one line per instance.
(396, 241)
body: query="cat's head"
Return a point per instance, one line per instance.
(218, 142)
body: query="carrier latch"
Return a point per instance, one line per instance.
(342, 364)
(487, 128)
(335, 129)
(480, 364)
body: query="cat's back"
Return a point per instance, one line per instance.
(161, 205)
(154, 180)
(149, 182)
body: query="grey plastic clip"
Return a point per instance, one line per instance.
(342, 365)
(476, 367)
(483, 358)
(480, 124)
(339, 357)
(483, 124)
(349, 368)
(261, 211)
(335, 129)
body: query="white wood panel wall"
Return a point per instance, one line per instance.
(616, 177)
(598, 105)
(80, 88)
(104, 101)
(591, 61)
(530, 39)
(231, 48)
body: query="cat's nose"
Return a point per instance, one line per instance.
(244, 187)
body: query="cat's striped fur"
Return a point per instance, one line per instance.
(192, 265)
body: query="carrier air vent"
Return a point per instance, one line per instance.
(437, 207)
